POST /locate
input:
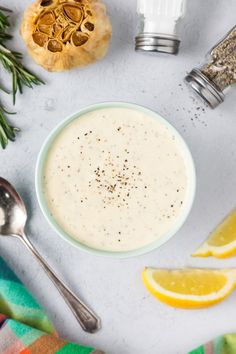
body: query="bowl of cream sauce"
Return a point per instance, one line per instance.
(115, 179)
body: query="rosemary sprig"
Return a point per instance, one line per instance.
(11, 61)
(4, 22)
(7, 132)
(20, 75)
(4, 36)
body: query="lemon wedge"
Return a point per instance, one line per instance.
(222, 241)
(190, 288)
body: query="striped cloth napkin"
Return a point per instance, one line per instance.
(24, 326)
(222, 345)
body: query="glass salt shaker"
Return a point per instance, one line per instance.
(157, 25)
(214, 77)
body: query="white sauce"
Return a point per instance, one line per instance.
(115, 179)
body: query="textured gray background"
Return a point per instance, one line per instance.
(133, 321)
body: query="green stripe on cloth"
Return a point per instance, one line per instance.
(71, 348)
(199, 350)
(222, 345)
(24, 325)
(11, 292)
(16, 302)
(18, 329)
(32, 316)
(26, 334)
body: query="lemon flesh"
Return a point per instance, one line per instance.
(222, 241)
(190, 288)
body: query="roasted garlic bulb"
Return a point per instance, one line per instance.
(63, 34)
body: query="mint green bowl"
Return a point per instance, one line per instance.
(176, 226)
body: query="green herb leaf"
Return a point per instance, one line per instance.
(11, 61)
(4, 22)
(7, 132)
(20, 75)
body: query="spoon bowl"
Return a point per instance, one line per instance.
(13, 214)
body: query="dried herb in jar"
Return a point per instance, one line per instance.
(214, 77)
(222, 68)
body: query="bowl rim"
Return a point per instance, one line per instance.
(190, 167)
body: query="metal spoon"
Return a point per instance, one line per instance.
(13, 218)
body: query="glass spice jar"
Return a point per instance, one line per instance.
(219, 73)
(157, 25)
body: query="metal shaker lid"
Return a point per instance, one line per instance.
(205, 88)
(151, 42)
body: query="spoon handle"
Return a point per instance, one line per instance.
(87, 319)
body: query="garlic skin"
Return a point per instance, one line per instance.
(64, 34)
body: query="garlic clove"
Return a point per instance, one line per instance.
(57, 29)
(54, 46)
(73, 12)
(47, 18)
(45, 29)
(88, 12)
(40, 38)
(87, 25)
(79, 38)
(46, 2)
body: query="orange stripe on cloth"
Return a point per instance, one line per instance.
(25, 351)
(46, 344)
